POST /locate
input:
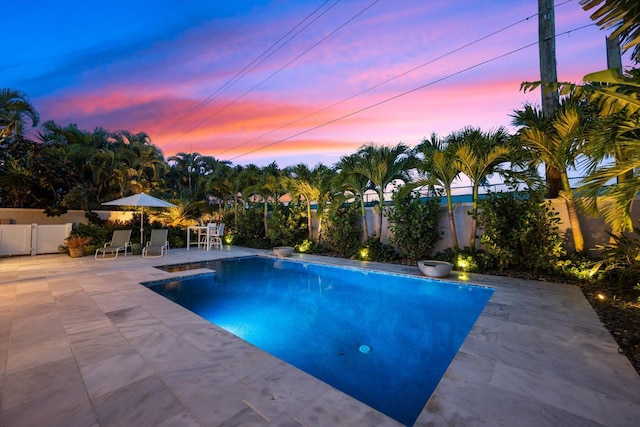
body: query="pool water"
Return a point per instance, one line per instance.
(384, 339)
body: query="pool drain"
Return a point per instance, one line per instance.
(364, 349)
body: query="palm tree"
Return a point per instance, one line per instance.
(15, 183)
(350, 181)
(556, 142)
(438, 163)
(145, 159)
(269, 186)
(382, 165)
(479, 155)
(312, 185)
(624, 16)
(185, 164)
(615, 135)
(15, 109)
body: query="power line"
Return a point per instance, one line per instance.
(386, 81)
(253, 64)
(384, 101)
(275, 72)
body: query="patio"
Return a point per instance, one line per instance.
(82, 343)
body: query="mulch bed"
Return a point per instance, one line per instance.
(620, 314)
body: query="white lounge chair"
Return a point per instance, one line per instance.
(158, 245)
(120, 241)
(216, 236)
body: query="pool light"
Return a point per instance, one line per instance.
(364, 349)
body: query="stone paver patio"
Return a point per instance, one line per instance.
(82, 343)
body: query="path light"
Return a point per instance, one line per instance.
(304, 247)
(462, 263)
(601, 296)
(364, 254)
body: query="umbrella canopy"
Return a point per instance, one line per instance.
(140, 200)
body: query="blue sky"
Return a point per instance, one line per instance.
(304, 81)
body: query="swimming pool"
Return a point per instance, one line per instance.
(384, 339)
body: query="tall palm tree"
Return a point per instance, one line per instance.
(382, 165)
(478, 155)
(623, 15)
(615, 135)
(186, 164)
(350, 181)
(313, 185)
(15, 183)
(269, 187)
(556, 143)
(15, 110)
(438, 163)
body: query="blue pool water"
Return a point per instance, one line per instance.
(384, 339)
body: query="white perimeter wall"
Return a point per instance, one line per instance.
(594, 229)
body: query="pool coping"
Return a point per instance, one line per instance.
(537, 355)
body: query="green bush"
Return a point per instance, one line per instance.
(342, 230)
(249, 229)
(287, 226)
(374, 250)
(414, 224)
(621, 259)
(520, 231)
(467, 260)
(310, 247)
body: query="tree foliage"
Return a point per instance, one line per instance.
(520, 231)
(414, 224)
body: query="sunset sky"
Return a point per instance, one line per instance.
(285, 81)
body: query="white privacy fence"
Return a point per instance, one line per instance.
(32, 239)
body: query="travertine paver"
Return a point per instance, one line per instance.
(83, 344)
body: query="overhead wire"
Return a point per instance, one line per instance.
(451, 52)
(251, 66)
(384, 101)
(275, 72)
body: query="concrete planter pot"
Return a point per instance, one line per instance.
(283, 251)
(432, 268)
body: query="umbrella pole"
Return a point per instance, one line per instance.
(142, 227)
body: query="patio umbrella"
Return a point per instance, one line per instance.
(140, 200)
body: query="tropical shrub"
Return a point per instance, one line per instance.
(414, 224)
(310, 247)
(374, 250)
(621, 259)
(342, 230)
(521, 231)
(287, 226)
(467, 260)
(249, 229)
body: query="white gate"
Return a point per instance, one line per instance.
(32, 239)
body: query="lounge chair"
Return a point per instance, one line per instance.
(158, 245)
(216, 236)
(120, 241)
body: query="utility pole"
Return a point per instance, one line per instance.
(614, 62)
(548, 73)
(614, 57)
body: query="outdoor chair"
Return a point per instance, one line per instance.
(216, 236)
(204, 235)
(120, 241)
(158, 245)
